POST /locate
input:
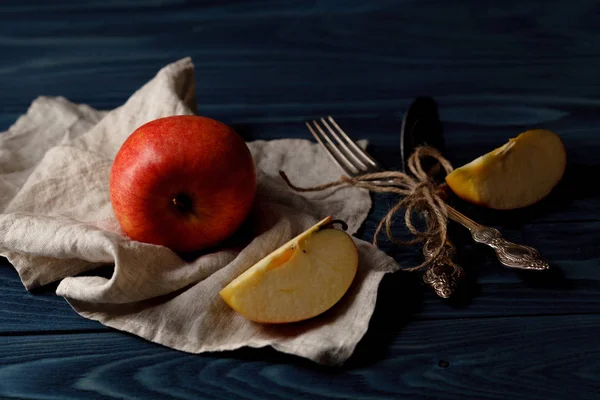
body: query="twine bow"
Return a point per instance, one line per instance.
(419, 195)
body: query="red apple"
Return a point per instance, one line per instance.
(184, 182)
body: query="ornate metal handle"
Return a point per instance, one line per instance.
(444, 276)
(510, 254)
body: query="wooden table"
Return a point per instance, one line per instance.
(496, 69)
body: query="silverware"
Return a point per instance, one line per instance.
(444, 277)
(421, 126)
(511, 254)
(354, 161)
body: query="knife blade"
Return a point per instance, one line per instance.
(421, 125)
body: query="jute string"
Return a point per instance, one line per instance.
(419, 194)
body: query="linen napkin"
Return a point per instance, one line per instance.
(57, 224)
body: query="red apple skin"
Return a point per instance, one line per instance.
(201, 163)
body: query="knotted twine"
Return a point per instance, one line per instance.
(419, 194)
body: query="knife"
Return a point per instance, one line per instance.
(421, 125)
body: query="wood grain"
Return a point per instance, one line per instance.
(452, 359)
(283, 59)
(41, 311)
(495, 68)
(572, 286)
(574, 199)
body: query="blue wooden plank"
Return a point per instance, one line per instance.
(295, 58)
(573, 286)
(264, 67)
(574, 199)
(499, 358)
(42, 311)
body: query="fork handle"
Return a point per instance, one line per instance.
(510, 254)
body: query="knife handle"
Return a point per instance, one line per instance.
(443, 276)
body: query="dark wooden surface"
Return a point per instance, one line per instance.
(496, 68)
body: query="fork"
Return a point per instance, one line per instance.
(354, 161)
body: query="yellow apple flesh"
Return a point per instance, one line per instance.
(516, 175)
(302, 279)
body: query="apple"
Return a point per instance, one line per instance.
(301, 279)
(184, 182)
(518, 174)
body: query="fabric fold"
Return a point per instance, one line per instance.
(57, 224)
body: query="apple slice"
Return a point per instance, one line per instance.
(516, 175)
(301, 279)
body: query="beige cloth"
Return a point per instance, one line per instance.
(57, 223)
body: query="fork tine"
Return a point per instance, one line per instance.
(367, 158)
(357, 162)
(332, 150)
